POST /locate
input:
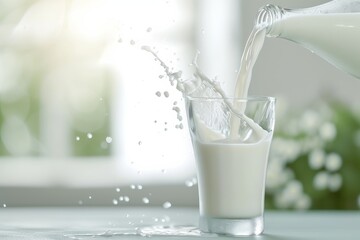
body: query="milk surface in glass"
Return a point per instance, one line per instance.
(232, 177)
(231, 162)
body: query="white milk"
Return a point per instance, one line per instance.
(251, 52)
(231, 177)
(335, 37)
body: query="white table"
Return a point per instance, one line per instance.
(127, 223)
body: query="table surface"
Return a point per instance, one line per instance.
(157, 223)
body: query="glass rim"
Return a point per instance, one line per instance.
(247, 99)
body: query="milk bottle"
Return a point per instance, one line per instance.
(331, 30)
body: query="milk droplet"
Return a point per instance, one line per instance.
(80, 202)
(117, 189)
(139, 143)
(175, 103)
(4, 205)
(120, 40)
(161, 76)
(149, 29)
(132, 186)
(89, 135)
(167, 218)
(163, 171)
(121, 198)
(167, 205)
(126, 199)
(77, 138)
(90, 197)
(189, 183)
(166, 94)
(115, 202)
(158, 94)
(132, 42)
(145, 200)
(139, 187)
(108, 139)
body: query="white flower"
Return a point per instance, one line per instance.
(310, 143)
(327, 131)
(334, 182)
(321, 180)
(310, 121)
(281, 201)
(317, 159)
(333, 162)
(286, 149)
(277, 174)
(289, 195)
(303, 202)
(294, 189)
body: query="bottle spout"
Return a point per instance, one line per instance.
(267, 16)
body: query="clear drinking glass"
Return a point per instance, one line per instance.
(231, 141)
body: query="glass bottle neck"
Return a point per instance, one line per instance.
(270, 14)
(267, 16)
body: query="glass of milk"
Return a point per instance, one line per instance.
(231, 140)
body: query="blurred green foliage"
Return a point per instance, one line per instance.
(315, 158)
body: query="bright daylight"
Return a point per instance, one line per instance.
(185, 119)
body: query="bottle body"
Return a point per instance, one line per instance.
(332, 31)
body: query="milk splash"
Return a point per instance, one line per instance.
(202, 86)
(188, 87)
(146, 231)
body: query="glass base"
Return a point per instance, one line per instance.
(233, 227)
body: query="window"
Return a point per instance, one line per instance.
(78, 95)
